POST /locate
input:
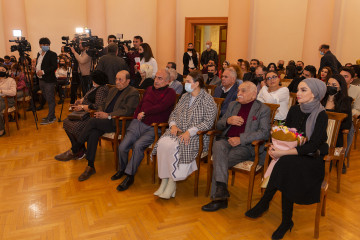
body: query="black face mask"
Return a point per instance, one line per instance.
(62, 64)
(331, 90)
(189, 49)
(252, 69)
(299, 68)
(2, 74)
(210, 74)
(281, 66)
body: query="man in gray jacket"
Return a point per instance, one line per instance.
(211, 78)
(111, 63)
(175, 84)
(245, 120)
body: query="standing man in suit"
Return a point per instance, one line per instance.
(121, 101)
(46, 65)
(228, 89)
(328, 59)
(245, 120)
(210, 78)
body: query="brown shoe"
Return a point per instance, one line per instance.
(66, 156)
(85, 175)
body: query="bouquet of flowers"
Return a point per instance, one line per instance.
(283, 138)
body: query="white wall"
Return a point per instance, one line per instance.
(198, 8)
(2, 40)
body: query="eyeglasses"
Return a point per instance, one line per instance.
(270, 78)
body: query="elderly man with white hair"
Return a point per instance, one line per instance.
(245, 120)
(175, 84)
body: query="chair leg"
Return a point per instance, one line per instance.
(323, 209)
(339, 170)
(209, 178)
(6, 120)
(317, 219)
(24, 110)
(99, 142)
(17, 119)
(196, 184)
(232, 177)
(250, 190)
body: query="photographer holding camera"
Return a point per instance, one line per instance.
(84, 61)
(132, 54)
(111, 63)
(46, 64)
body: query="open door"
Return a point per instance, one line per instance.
(222, 46)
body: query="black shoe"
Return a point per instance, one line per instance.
(281, 230)
(221, 192)
(3, 134)
(39, 108)
(258, 210)
(215, 205)
(117, 175)
(128, 181)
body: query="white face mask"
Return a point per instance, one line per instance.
(322, 53)
(207, 46)
(188, 87)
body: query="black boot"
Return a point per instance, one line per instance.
(221, 191)
(263, 205)
(286, 223)
(128, 181)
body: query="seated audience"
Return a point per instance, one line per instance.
(18, 74)
(93, 100)
(356, 80)
(299, 173)
(143, 79)
(353, 91)
(7, 88)
(245, 120)
(227, 89)
(174, 83)
(254, 63)
(172, 65)
(211, 77)
(61, 74)
(308, 72)
(245, 68)
(280, 67)
(147, 57)
(337, 100)
(259, 77)
(271, 67)
(225, 65)
(239, 74)
(239, 61)
(155, 107)
(325, 74)
(299, 68)
(177, 149)
(121, 101)
(272, 92)
(290, 71)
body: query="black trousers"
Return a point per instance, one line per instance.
(86, 84)
(94, 129)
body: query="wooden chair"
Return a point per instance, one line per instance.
(251, 168)
(285, 82)
(356, 125)
(8, 111)
(356, 122)
(211, 89)
(337, 153)
(201, 155)
(292, 100)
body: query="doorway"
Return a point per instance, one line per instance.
(202, 29)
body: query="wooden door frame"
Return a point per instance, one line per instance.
(190, 23)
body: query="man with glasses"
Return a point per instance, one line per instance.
(308, 72)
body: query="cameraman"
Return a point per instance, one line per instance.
(111, 39)
(46, 64)
(111, 64)
(131, 55)
(84, 61)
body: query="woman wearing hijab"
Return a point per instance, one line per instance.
(299, 172)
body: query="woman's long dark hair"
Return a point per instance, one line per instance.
(147, 51)
(342, 100)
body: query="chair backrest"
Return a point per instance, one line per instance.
(292, 100)
(141, 93)
(110, 86)
(210, 89)
(273, 108)
(334, 122)
(218, 102)
(285, 82)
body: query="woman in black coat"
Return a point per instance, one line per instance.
(299, 172)
(190, 56)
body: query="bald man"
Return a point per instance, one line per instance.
(245, 120)
(207, 55)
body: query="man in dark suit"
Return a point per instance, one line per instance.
(111, 63)
(210, 78)
(228, 89)
(245, 120)
(121, 101)
(254, 63)
(328, 59)
(46, 65)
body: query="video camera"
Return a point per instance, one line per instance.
(94, 43)
(22, 45)
(121, 45)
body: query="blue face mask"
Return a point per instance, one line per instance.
(188, 87)
(322, 53)
(45, 48)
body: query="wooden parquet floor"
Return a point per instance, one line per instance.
(41, 198)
